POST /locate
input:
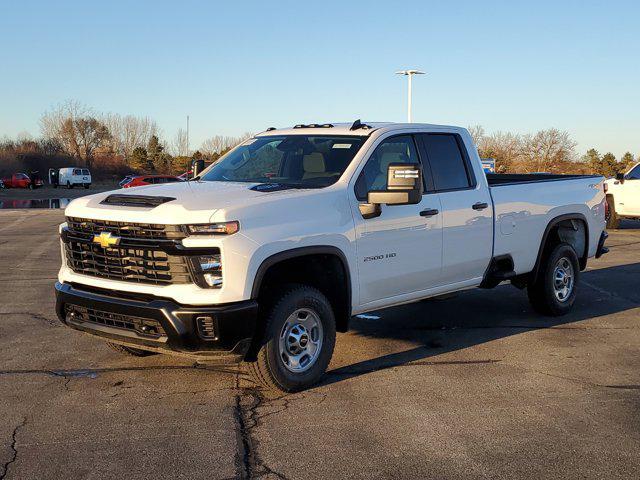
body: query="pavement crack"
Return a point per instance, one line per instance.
(249, 465)
(14, 448)
(38, 317)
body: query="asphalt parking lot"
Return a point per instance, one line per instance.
(475, 386)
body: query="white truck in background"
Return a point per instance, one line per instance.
(623, 196)
(267, 253)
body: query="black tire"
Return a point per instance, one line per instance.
(134, 352)
(545, 291)
(69, 185)
(613, 221)
(86, 186)
(55, 185)
(269, 368)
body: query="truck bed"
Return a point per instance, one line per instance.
(524, 204)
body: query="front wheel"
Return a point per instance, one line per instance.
(554, 291)
(300, 334)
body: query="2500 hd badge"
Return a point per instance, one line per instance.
(379, 257)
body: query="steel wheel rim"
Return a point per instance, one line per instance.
(300, 340)
(563, 279)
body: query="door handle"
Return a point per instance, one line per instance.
(480, 206)
(429, 212)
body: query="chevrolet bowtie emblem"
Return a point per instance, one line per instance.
(105, 239)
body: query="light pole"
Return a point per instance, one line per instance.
(409, 74)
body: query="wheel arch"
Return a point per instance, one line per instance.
(553, 233)
(344, 306)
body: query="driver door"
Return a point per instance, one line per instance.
(400, 251)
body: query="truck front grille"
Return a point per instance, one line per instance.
(139, 256)
(126, 263)
(142, 326)
(88, 228)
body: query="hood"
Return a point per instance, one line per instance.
(195, 202)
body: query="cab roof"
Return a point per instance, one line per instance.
(351, 129)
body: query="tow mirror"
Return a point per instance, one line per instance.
(620, 177)
(404, 187)
(197, 166)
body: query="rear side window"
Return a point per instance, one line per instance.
(77, 171)
(448, 166)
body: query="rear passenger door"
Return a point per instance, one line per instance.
(467, 214)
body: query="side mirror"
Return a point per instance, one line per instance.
(620, 177)
(404, 187)
(197, 166)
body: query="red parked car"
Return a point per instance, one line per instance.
(150, 180)
(21, 180)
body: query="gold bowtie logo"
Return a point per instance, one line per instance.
(105, 239)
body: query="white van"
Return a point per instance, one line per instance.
(70, 177)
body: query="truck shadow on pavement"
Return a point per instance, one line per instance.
(479, 316)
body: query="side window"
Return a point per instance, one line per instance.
(77, 171)
(85, 171)
(634, 174)
(400, 149)
(448, 165)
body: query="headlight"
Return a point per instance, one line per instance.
(208, 269)
(225, 228)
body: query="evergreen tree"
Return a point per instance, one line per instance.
(609, 165)
(154, 153)
(593, 160)
(627, 161)
(139, 160)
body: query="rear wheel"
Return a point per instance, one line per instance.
(300, 333)
(554, 291)
(135, 352)
(613, 221)
(86, 185)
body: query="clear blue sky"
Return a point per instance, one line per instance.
(243, 66)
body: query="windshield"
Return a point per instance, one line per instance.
(303, 161)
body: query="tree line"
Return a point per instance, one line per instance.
(75, 134)
(550, 151)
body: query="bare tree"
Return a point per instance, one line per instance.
(180, 146)
(504, 147)
(129, 132)
(57, 124)
(477, 134)
(546, 151)
(218, 144)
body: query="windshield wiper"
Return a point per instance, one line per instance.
(274, 187)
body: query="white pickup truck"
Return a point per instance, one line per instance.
(267, 253)
(623, 196)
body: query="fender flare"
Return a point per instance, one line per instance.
(552, 223)
(301, 252)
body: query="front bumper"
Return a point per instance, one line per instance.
(159, 324)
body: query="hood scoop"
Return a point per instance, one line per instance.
(144, 201)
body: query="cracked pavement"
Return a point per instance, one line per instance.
(466, 387)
